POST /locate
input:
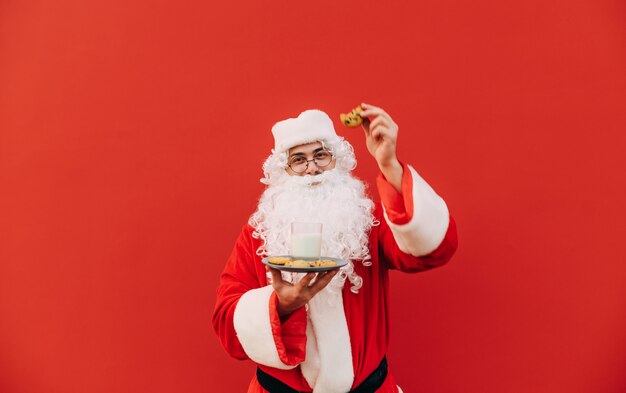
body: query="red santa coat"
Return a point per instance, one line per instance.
(324, 349)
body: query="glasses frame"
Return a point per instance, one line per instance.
(332, 157)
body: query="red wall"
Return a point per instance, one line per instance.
(131, 141)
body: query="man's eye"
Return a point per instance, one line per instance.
(322, 155)
(297, 160)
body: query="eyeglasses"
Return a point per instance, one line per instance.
(299, 164)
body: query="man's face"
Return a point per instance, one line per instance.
(311, 152)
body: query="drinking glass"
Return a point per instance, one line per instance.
(306, 239)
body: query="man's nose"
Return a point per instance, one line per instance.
(313, 169)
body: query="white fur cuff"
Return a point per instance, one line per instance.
(252, 324)
(429, 224)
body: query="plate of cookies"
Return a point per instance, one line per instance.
(295, 264)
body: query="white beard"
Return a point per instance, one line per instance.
(336, 199)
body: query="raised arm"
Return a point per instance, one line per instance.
(418, 232)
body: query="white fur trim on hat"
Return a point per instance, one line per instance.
(310, 126)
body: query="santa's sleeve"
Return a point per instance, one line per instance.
(246, 318)
(417, 232)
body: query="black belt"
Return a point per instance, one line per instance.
(370, 385)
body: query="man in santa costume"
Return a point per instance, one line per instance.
(328, 332)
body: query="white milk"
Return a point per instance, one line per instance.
(306, 245)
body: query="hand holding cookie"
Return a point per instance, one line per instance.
(381, 135)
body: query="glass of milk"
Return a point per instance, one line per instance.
(306, 239)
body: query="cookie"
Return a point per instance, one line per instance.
(298, 263)
(279, 260)
(352, 119)
(324, 263)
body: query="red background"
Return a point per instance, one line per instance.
(131, 142)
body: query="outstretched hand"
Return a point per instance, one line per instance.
(293, 296)
(381, 136)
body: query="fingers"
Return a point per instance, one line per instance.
(371, 111)
(377, 134)
(382, 126)
(322, 281)
(366, 128)
(371, 129)
(305, 281)
(277, 277)
(378, 121)
(381, 132)
(304, 286)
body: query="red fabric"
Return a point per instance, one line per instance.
(289, 334)
(399, 207)
(236, 279)
(366, 312)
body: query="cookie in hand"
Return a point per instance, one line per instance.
(352, 119)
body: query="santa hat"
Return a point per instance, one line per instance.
(310, 126)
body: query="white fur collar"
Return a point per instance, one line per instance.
(328, 365)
